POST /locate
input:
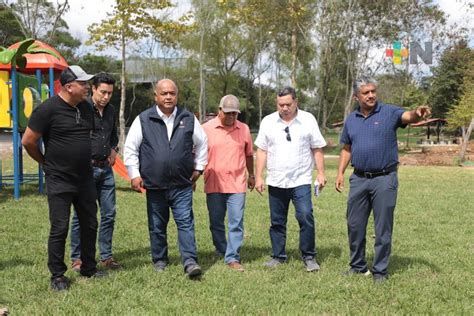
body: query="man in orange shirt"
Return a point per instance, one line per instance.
(230, 152)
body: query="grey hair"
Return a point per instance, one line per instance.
(362, 81)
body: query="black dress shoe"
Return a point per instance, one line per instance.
(353, 271)
(60, 284)
(380, 278)
(193, 270)
(97, 275)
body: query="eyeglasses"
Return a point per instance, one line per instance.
(287, 131)
(78, 116)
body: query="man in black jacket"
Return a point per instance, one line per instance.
(104, 151)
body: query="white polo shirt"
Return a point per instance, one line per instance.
(289, 163)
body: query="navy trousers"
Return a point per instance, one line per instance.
(380, 195)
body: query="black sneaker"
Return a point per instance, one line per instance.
(193, 270)
(97, 275)
(60, 284)
(380, 278)
(353, 271)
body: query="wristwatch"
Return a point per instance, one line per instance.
(200, 171)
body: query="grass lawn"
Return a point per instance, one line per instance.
(431, 267)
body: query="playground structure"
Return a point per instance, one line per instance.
(22, 88)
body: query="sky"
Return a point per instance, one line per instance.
(82, 14)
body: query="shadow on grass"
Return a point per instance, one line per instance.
(6, 192)
(13, 263)
(401, 263)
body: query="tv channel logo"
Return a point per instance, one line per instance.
(398, 52)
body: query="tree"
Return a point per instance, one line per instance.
(129, 22)
(42, 20)
(39, 19)
(462, 114)
(447, 82)
(10, 29)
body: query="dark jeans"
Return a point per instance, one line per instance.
(279, 201)
(180, 200)
(84, 201)
(379, 194)
(105, 188)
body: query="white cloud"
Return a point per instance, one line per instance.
(83, 13)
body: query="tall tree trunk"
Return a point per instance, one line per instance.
(294, 51)
(465, 141)
(123, 86)
(202, 110)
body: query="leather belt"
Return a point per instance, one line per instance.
(374, 174)
(100, 163)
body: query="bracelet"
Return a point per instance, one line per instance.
(252, 177)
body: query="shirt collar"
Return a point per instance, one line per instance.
(295, 119)
(163, 115)
(218, 124)
(376, 110)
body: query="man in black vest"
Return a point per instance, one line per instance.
(65, 123)
(159, 157)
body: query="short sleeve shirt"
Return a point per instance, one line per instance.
(67, 138)
(289, 163)
(373, 139)
(228, 149)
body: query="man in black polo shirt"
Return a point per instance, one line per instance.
(104, 151)
(65, 123)
(369, 142)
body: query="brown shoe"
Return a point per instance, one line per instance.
(76, 265)
(110, 264)
(235, 265)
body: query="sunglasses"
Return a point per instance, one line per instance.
(287, 131)
(78, 116)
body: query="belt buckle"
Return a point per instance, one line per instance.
(369, 175)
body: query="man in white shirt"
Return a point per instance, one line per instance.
(288, 145)
(160, 158)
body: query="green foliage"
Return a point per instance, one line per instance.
(428, 221)
(129, 21)
(401, 90)
(462, 114)
(10, 31)
(446, 87)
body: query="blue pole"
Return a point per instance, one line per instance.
(40, 142)
(51, 82)
(16, 138)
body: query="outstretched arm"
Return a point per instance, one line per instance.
(416, 115)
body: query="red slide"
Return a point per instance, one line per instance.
(121, 170)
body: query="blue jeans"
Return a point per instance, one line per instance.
(180, 200)
(105, 188)
(234, 204)
(279, 201)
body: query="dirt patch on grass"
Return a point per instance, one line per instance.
(436, 155)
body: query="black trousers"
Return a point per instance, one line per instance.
(84, 201)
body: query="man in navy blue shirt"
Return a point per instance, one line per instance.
(369, 142)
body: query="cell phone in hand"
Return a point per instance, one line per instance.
(316, 188)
